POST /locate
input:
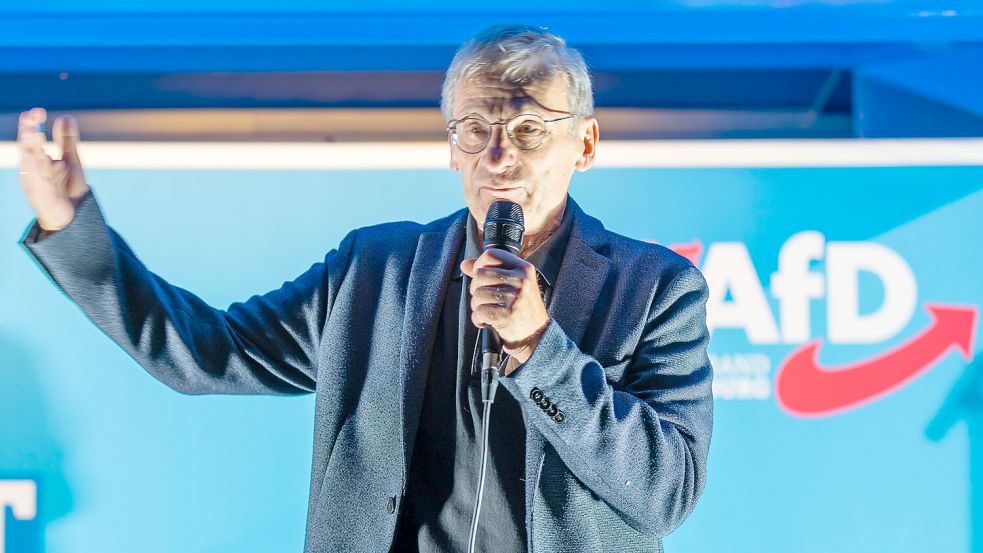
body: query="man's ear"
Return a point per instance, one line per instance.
(589, 135)
(453, 163)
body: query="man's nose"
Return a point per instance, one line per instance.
(500, 150)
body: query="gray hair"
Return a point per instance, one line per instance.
(519, 55)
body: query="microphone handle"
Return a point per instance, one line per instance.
(491, 357)
(491, 344)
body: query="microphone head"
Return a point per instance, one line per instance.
(504, 226)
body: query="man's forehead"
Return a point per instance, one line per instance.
(495, 97)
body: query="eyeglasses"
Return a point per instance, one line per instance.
(526, 130)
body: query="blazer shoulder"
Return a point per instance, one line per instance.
(649, 257)
(400, 236)
(664, 277)
(636, 256)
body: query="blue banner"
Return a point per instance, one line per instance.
(844, 314)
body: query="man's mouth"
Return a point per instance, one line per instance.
(494, 189)
(511, 193)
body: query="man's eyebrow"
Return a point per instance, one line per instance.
(520, 101)
(517, 105)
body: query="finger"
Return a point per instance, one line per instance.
(501, 295)
(24, 126)
(34, 116)
(467, 267)
(35, 177)
(35, 162)
(493, 276)
(495, 257)
(32, 149)
(489, 314)
(30, 131)
(503, 260)
(66, 134)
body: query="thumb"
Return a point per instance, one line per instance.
(66, 134)
(467, 267)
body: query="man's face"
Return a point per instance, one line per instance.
(535, 179)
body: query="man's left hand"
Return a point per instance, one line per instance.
(505, 296)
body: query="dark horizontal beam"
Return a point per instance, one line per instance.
(679, 89)
(422, 57)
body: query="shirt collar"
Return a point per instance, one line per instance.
(546, 258)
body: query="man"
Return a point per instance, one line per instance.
(600, 442)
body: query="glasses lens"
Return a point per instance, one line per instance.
(471, 134)
(527, 130)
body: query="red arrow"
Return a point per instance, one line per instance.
(692, 251)
(803, 387)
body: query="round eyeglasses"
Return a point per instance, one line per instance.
(526, 130)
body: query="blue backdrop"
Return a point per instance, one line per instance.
(120, 460)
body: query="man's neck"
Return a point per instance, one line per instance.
(530, 242)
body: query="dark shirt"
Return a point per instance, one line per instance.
(435, 515)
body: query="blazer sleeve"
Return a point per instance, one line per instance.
(265, 345)
(642, 446)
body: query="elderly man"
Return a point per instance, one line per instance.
(600, 443)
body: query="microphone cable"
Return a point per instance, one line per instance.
(489, 384)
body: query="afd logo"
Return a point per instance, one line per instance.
(21, 496)
(803, 386)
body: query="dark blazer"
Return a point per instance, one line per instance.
(617, 395)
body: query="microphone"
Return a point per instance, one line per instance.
(504, 227)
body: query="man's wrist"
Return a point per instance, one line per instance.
(521, 350)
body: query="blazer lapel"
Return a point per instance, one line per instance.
(582, 275)
(436, 252)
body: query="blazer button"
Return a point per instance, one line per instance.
(545, 404)
(552, 410)
(391, 505)
(536, 395)
(559, 417)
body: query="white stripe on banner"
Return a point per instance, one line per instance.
(610, 154)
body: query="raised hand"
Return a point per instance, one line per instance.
(53, 187)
